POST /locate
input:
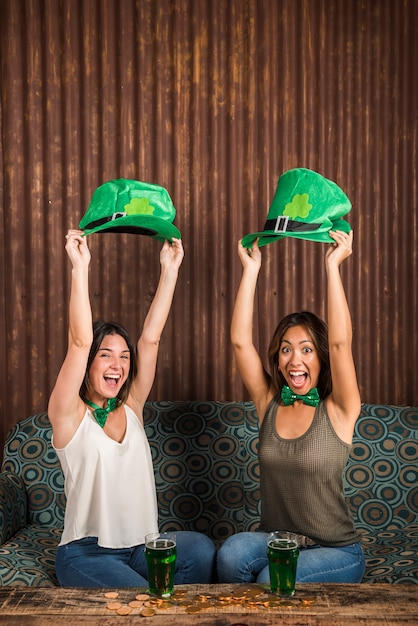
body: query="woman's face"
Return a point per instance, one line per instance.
(298, 360)
(109, 368)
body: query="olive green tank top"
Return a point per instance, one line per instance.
(301, 481)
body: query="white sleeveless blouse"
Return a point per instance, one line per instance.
(110, 486)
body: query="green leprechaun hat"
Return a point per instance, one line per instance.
(131, 206)
(306, 206)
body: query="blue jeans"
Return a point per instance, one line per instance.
(83, 563)
(243, 559)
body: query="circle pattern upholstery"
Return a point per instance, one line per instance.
(207, 479)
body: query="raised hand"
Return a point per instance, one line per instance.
(171, 255)
(250, 257)
(341, 249)
(77, 248)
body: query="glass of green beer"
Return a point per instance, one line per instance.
(160, 554)
(282, 553)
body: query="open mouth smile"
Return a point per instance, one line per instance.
(112, 379)
(298, 378)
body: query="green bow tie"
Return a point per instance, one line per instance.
(288, 397)
(101, 414)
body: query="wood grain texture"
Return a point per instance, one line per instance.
(376, 605)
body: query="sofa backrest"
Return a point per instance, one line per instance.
(28, 453)
(381, 478)
(206, 468)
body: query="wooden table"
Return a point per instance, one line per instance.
(220, 605)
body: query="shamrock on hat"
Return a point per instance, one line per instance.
(305, 206)
(131, 206)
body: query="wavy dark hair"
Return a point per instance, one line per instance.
(318, 331)
(100, 331)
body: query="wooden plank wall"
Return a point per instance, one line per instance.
(213, 100)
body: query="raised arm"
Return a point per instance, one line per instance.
(171, 257)
(65, 407)
(344, 401)
(255, 378)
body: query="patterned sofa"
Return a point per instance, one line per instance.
(205, 457)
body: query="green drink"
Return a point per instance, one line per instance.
(282, 553)
(160, 554)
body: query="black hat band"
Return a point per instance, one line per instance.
(283, 224)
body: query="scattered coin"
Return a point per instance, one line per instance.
(203, 605)
(124, 610)
(113, 606)
(238, 593)
(135, 604)
(111, 594)
(148, 612)
(142, 596)
(273, 604)
(193, 609)
(223, 597)
(165, 605)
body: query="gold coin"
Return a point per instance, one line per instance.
(193, 609)
(111, 594)
(273, 604)
(148, 612)
(165, 605)
(113, 606)
(124, 610)
(287, 603)
(204, 605)
(142, 596)
(135, 604)
(185, 603)
(223, 597)
(201, 596)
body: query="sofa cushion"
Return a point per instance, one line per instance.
(28, 452)
(12, 505)
(29, 558)
(391, 555)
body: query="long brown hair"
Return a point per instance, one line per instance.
(318, 331)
